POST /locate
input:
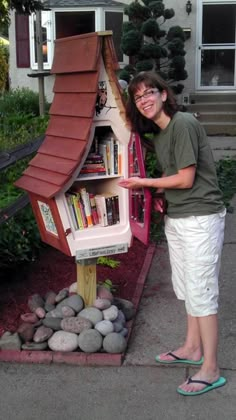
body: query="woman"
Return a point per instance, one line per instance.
(194, 224)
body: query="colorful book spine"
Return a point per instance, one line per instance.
(72, 210)
(87, 207)
(93, 209)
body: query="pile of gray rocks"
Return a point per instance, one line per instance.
(61, 322)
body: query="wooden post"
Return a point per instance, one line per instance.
(87, 280)
(39, 49)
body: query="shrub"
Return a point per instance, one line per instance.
(19, 239)
(3, 68)
(20, 101)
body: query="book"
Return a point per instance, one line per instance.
(115, 209)
(116, 158)
(103, 151)
(93, 209)
(72, 210)
(77, 211)
(101, 209)
(87, 206)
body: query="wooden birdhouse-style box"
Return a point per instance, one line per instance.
(72, 181)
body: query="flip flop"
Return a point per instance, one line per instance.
(209, 387)
(178, 360)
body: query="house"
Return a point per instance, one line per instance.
(210, 49)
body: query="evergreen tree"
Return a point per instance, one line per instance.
(21, 6)
(149, 46)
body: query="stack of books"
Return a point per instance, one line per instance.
(87, 209)
(93, 166)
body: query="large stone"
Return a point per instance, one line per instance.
(104, 327)
(26, 332)
(111, 313)
(50, 297)
(114, 343)
(93, 314)
(61, 295)
(10, 341)
(126, 306)
(35, 346)
(104, 293)
(54, 323)
(55, 313)
(76, 324)
(90, 341)
(35, 301)
(102, 303)
(67, 312)
(42, 334)
(29, 317)
(63, 341)
(74, 301)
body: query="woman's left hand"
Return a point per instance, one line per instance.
(134, 182)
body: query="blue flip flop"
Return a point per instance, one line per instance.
(209, 387)
(178, 360)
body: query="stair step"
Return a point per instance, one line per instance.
(212, 98)
(212, 107)
(221, 128)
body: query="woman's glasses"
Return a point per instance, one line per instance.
(145, 95)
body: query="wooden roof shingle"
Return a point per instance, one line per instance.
(76, 65)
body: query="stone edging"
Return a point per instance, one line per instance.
(79, 358)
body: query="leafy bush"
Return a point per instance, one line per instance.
(19, 239)
(3, 68)
(20, 101)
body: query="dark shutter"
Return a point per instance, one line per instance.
(22, 40)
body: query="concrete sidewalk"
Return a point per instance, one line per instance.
(140, 389)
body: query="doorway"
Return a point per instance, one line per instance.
(217, 46)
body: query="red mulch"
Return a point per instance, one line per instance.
(54, 271)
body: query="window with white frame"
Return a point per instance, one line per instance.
(63, 23)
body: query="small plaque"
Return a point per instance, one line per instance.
(101, 252)
(47, 218)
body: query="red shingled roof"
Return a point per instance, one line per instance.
(76, 66)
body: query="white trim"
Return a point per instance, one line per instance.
(200, 47)
(50, 17)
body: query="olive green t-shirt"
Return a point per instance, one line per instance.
(181, 144)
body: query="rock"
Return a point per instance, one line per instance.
(35, 346)
(49, 307)
(102, 303)
(104, 293)
(117, 326)
(10, 341)
(73, 288)
(74, 301)
(53, 323)
(110, 313)
(114, 343)
(76, 324)
(42, 334)
(50, 297)
(124, 332)
(126, 306)
(35, 301)
(120, 318)
(26, 332)
(61, 295)
(90, 341)
(67, 311)
(63, 341)
(93, 314)
(104, 327)
(40, 312)
(29, 317)
(55, 313)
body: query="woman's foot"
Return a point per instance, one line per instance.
(181, 353)
(192, 385)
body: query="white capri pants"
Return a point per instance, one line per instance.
(195, 245)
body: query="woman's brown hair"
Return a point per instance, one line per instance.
(138, 122)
